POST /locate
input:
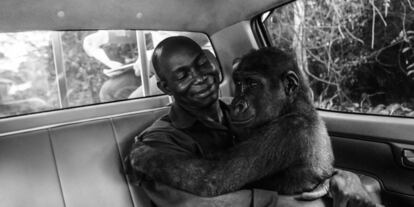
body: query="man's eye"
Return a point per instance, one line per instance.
(204, 64)
(202, 61)
(180, 76)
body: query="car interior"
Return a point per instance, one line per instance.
(72, 155)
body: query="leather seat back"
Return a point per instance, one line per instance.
(73, 165)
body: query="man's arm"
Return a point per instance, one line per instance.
(92, 46)
(164, 195)
(346, 189)
(239, 166)
(217, 177)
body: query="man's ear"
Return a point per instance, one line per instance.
(236, 63)
(213, 60)
(162, 85)
(290, 82)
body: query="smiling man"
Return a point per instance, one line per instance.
(185, 73)
(196, 128)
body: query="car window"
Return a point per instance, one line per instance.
(48, 70)
(357, 55)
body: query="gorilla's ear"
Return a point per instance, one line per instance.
(162, 85)
(290, 82)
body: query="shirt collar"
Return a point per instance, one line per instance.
(180, 118)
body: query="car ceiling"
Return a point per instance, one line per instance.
(188, 15)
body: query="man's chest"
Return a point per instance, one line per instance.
(211, 140)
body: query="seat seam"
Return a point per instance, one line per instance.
(56, 166)
(127, 181)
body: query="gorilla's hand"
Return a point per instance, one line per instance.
(346, 190)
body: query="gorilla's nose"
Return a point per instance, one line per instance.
(239, 106)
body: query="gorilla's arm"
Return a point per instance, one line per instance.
(246, 162)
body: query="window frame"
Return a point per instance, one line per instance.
(7, 123)
(46, 119)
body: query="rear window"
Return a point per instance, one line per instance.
(358, 55)
(48, 70)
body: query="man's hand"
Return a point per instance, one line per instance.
(320, 191)
(346, 190)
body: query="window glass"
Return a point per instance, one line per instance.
(27, 75)
(47, 70)
(358, 55)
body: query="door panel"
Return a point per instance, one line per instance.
(374, 159)
(374, 146)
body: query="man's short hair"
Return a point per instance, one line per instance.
(167, 46)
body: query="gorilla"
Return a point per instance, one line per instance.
(273, 110)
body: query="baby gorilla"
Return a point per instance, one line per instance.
(273, 109)
(285, 144)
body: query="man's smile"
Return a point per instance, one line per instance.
(207, 91)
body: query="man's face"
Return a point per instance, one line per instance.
(190, 77)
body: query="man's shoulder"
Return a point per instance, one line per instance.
(162, 130)
(161, 125)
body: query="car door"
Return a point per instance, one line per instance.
(357, 56)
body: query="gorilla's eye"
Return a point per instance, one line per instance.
(238, 83)
(251, 83)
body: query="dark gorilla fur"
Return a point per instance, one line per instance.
(273, 100)
(286, 149)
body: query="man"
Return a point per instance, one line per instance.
(104, 45)
(198, 126)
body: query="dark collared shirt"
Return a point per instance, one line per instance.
(183, 132)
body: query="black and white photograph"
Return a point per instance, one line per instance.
(207, 103)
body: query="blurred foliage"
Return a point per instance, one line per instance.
(358, 54)
(84, 76)
(25, 66)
